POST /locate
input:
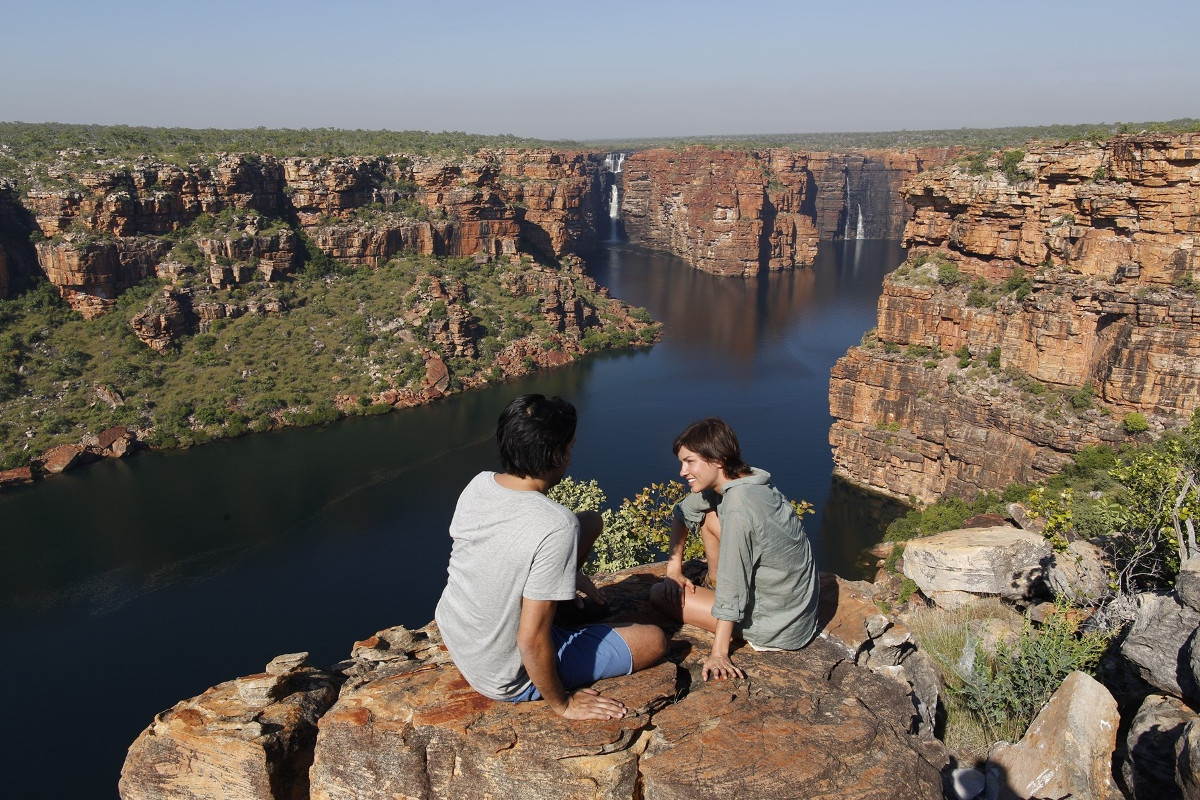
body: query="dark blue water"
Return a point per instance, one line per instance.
(129, 585)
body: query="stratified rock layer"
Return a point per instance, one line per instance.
(1073, 277)
(100, 232)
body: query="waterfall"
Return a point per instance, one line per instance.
(858, 232)
(614, 161)
(846, 206)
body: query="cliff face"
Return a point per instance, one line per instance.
(1065, 291)
(735, 213)
(100, 229)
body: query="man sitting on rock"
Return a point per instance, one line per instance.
(515, 555)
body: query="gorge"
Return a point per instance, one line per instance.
(1100, 313)
(225, 235)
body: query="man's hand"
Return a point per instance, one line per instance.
(720, 667)
(584, 585)
(590, 704)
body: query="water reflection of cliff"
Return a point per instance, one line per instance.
(730, 317)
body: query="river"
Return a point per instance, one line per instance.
(129, 585)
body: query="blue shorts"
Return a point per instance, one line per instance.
(585, 656)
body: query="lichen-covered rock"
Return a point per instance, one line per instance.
(1155, 732)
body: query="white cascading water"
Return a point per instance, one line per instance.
(613, 163)
(846, 208)
(858, 233)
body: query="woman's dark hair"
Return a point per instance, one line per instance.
(714, 441)
(535, 434)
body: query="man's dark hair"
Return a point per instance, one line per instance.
(535, 434)
(713, 440)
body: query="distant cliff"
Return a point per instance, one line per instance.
(1047, 295)
(102, 231)
(742, 213)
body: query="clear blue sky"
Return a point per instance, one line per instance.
(599, 70)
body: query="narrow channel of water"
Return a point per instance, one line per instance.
(129, 585)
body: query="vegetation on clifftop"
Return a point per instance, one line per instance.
(24, 142)
(971, 138)
(342, 337)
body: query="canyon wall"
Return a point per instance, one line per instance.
(743, 213)
(101, 232)
(1044, 299)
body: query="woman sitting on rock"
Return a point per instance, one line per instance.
(766, 582)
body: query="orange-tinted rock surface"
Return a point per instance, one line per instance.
(1070, 290)
(99, 228)
(743, 213)
(405, 724)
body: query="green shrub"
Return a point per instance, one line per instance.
(1006, 691)
(946, 514)
(1082, 398)
(1017, 283)
(637, 532)
(978, 299)
(1010, 165)
(949, 275)
(1135, 422)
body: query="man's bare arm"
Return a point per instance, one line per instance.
(538, 656)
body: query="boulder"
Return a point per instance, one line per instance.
(1149, 764)
(248, 738)
(114, 442)
(16, 477)
(1000, 560)
(1187, 583)
(1068, 749)
(1080, 574)
(1159, 644)
(62, 458)
(1187, 760)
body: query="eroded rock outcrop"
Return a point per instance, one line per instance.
(743, 213)
(1065, 290)
(405, 723)
(100, 226)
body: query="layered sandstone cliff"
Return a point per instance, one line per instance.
(103, 231)
(1040, 304)
(743, 213)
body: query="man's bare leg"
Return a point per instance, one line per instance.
(647, 643)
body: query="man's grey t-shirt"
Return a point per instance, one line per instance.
(507, 544)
